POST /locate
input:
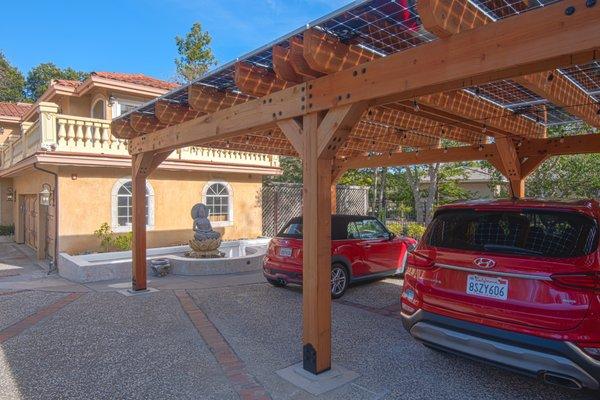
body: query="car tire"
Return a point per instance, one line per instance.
(340, 279)
(277, 282)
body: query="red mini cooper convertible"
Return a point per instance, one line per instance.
(361, 248)
(515, 283)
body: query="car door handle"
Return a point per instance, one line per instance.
(367, 245)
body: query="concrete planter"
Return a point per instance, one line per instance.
(240, 256)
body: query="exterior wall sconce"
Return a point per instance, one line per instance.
(10, 194)
(47, 195)
(1, 130)
(112, 100)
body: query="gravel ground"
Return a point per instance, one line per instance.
(15, 307)
(107, 346)
(263, 325)
(377, 294)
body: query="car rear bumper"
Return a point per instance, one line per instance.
(283, 275)
(526, 354)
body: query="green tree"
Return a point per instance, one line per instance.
(195, 55)
(38, 79)
(12, 82)
(291, 171)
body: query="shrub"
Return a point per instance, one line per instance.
(7, 230)
(110, 239)
(415, 230)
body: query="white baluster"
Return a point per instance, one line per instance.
(105, 136)
(88, 136)
(70, 133)
(78, 133)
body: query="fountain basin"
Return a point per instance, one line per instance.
(240, 256)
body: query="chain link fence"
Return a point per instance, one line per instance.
(282, 201)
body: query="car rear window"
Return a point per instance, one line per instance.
(556, 234)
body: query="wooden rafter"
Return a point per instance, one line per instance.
(169, 113)
(257, 81)
(558, 89)
(208, 100)
(298, 62)
(143, 123)
(120, 128)
(282, 65)
(445, 18)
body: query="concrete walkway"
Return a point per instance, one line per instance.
(219, 337)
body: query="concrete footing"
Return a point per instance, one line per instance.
(316, 385)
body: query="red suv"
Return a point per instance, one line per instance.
(515, 283)
(361, 248)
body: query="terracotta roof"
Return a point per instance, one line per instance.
(67, 82)
(13, 109)
(138, 79)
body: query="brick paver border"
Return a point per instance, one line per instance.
(26, 323)
(235, 370)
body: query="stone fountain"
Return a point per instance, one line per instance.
(206, 241)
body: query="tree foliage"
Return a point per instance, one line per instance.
(12, 82)
(39, 77)
(195, 55)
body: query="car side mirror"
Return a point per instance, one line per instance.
(391, 236)
(411, 247)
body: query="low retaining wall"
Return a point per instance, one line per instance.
(241, 256)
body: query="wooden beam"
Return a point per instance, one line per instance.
(534, 41)
(530, 164)
(336, 126)
(497, 120)
(316, 252)
(205, 99)
(555, 87)
(145, 123)
(293, 132)
(298, 62)
(257, 81)
(445, 18)
(282, 65)
(382, 137)
(120, 128)
(325, 53)
(507, 151)
(169, 113)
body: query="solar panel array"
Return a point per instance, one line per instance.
(389, 26)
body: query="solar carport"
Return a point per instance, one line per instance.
(385, 83)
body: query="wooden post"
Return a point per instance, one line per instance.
(333, 196)
(142, 165)
(316, 252)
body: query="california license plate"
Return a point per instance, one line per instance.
(285, 252)
(484, 286)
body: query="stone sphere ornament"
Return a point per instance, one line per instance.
(206, 241)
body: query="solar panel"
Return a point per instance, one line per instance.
(390, 26)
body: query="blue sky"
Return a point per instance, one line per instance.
(138, 35)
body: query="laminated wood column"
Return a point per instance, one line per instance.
(142, 165)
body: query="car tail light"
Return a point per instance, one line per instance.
(419, 261)
(590, 281)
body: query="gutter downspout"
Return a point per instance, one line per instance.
(56, 215)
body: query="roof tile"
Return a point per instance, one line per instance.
(13, 109)
(138, 79)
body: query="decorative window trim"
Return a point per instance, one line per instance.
(230, 220)
(114, 206)
(95, 100)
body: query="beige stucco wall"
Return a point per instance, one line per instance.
(85, 203)
(9, 128)
(6, 207)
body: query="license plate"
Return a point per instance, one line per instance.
(483, 286)
(285, 252)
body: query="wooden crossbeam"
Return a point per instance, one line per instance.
(208, 100)
(144, 123)
(325, 53)
(555, 87)
(535, 41)
(282, 65)
(257, 81)
(445, 18)
(169, 113)
(399, 117)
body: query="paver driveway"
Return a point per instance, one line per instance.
(218, 338)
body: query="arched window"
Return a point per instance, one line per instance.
(122, 205)
(218, 199)
(99, 109)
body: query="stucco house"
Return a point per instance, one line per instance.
(62, 173)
